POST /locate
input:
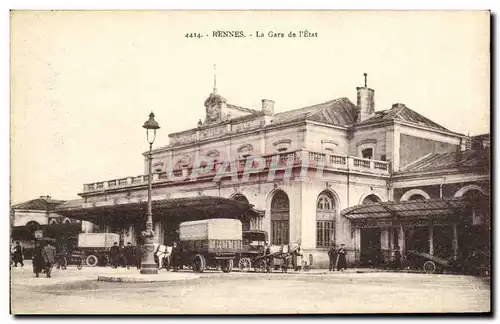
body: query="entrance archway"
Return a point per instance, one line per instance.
(280, 218)
(244, 221)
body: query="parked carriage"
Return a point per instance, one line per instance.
(71, 258)
(94, 247)
(254, 245)
(431, 264)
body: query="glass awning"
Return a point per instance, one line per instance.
(416, 208)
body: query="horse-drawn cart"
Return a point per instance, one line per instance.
(280, 257)
(254, 245)
(71, 258)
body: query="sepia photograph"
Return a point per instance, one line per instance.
(265, 162)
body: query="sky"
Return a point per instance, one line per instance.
(83, 83)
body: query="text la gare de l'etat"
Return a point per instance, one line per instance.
(259, 34)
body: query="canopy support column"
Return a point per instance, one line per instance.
(431, 239)
(401, 240)
(455, 241)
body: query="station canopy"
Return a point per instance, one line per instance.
(416, 208)
(175, 209)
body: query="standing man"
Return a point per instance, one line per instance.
(114, 253)
(38, 260)
(138, 256)
(341, 258)
(397, 258)
(18, 255)
(49, 256)
(129, 255)
(332, 256)
(174, 257)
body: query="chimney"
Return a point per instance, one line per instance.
(268, 107)
(365, 101)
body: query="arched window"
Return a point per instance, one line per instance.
(370, 199)
(416, 197)
(325, 219)
(280, 217)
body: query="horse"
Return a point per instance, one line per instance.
(285, 253)
(163, 254)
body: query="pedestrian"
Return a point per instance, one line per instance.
(332, 255)
(122, 261)
(38, 260)
(114, 253)
(138, 256)
(341, 258)
(129, 255)
(12, 250)
(174, 257)
(49, 256)
(18, 255)
(267, 260)
(397, 258)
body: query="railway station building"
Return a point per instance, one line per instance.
(336, 172)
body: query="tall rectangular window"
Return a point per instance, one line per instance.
(279, 229)
(325, 233)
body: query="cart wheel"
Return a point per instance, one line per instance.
(227, 266)
(92, 260)
(199, 263)
(245, 264)
(429, 267)
(79, 264)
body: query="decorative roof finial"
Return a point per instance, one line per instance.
(365, 78)
(215, 79)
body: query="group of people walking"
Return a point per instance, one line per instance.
(44, 258)
(125, 256)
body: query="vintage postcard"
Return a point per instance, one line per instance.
(250, 162)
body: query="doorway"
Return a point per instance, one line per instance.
(370, 247)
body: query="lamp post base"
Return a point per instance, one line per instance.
(149, 269)
(148, 262)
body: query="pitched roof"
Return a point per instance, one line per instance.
(41, 203)
(247, 110)
(403, 113)
(339, 111)
(451, 160)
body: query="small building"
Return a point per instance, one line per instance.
(39, 215)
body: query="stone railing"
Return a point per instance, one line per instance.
(298, 158)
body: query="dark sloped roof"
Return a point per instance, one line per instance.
(188, 208)
(340, 111)
(403, 113)
(450, 160)
(39, 204)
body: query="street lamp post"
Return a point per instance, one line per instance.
(148, 262)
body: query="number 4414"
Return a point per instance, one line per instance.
(193, 35)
